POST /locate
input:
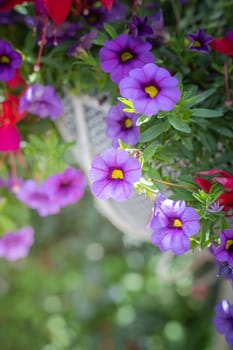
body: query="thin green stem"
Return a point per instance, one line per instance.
(173, 184)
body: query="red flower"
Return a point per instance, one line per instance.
(224, 45)
(225, 179)
(58, 10)
(9, 134)
(17, 81)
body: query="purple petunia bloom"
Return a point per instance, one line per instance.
(223, 320)
(113, 175)
(225, 270)
(42, 101)
(139, 27)
(199, 41)
(122, 125)
(37, 197)
(122, 54)
(151, 89)
(83, 44)
(225, 251)
(66, 187)
(16, 245)
(55, 192)
(65, 31)
(172, 224)
(215, 207)
(10, 60)
(160, 35)
(97, 16)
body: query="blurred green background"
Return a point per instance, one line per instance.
(85, 286)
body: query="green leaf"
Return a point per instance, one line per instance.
(222, 130)
(179, 124)
(208, 140)
(127, 103)
(150, 150)
(187, 142)
(207, 113)
(154, 131)
(110, 30)
(102, 37)
(199, 98)
(142, 119)
(154, 175)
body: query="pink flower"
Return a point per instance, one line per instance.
(16, 245)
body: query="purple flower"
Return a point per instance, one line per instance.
(225, 251)
(159, 32)
(40, 8)
(16, 245)
(10, 60)
(225, 270)
(223, 320)
(42, 101)
(96, 17)
(65, 31)
(215, 207)
(83, 44)
(172, 224)
(66, 187)
(139, 27)
(122, 125)
(113, 175)
(122, 54)
(37, 197)
(200, 41)
(150, 88)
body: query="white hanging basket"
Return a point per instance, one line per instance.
(83, 121)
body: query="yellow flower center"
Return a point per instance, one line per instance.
(128, 123)
(151, 90)
(177, 223)
(229, 244)
(92, 18)
(196, 44)
(4, 59)
(117, 174)
(126, 56)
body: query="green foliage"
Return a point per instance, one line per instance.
(46, 155)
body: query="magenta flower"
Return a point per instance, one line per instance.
(122, 125)
(113, 175)
(122, 54)
(223, 320)
(225, 251)
(200, 41)
(16, 245)
(66, 187)
(42, 101)
(10, 60)
(172, 224)
(37, 197)
(151, 89)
